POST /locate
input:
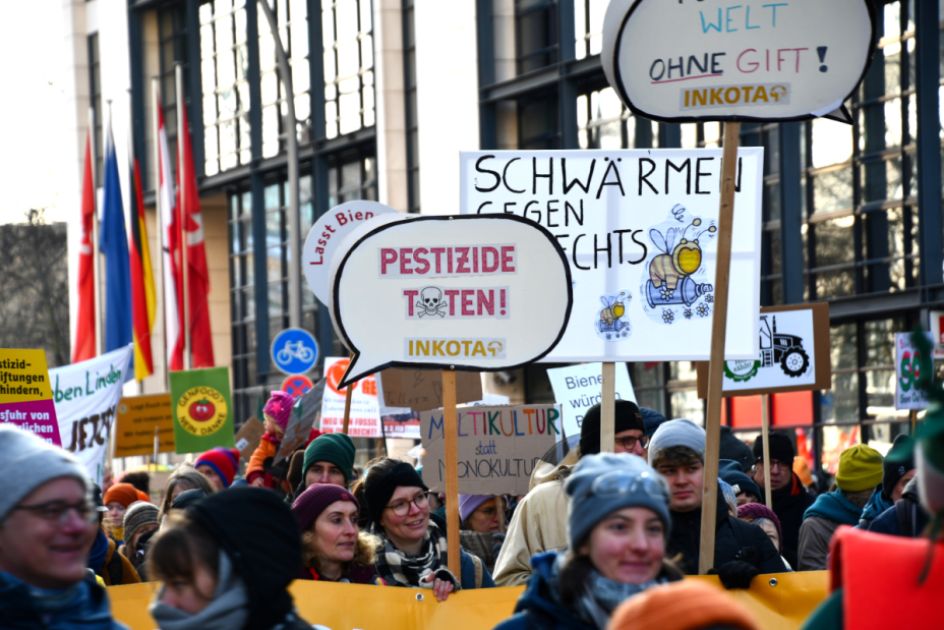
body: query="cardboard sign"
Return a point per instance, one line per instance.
(365, 408)
(137, 418)
(299, 424)
(248, 437)
(203, 413)
(25, 395)
(792, 354)
(459, 292)
(908, 365)
(498, 446)
(578, 387)
(86, 396)
(687, 61)
(639, 230)
(421, 390)
(326, 235)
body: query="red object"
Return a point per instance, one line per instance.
(84, 346)
(142, 282)
(173, 283)
(202, 410)
(788, 409)
(296, 385)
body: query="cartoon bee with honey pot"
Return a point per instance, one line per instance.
(670, 271)
(611, 323)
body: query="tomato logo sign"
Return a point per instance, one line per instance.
(336, 372)
(201, 410)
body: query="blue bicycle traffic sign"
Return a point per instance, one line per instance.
(294, 351)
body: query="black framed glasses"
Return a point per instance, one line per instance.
(629, 442)
(402, 507)
(57, 511)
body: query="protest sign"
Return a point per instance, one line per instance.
(908, 366)
(325, 237)
(421, 390)
(137, 420)
(86, 396)
(248, 437)
(638, 228)
(25, 395)
(203, 413)
(458, 292)
(365, 408)
(577, 388)
(937, 333)
(299, 424)
(684, 61)
(498, 447)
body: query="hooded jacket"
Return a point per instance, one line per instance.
(905, 518)
(789, 504)
(827, 513)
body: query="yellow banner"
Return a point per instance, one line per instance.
(23, 375)
(138, 417)
(778, 601)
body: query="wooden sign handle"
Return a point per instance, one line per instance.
(608, 408)
(450, 445)
(718, 329)
(348, 393)
(765, 438)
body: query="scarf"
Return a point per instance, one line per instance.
(83, 605)
(876, 505)
(833, 506)
(399, 569)
(98, 552)
(228, 610)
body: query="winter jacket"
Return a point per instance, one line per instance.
(83, 605)
(734, 540)
(353, 574)
(484, 545)
(473, 573)
(538, 524)
(821, 519)
(905, 518)
(789, 504)
(113, 567)
(262, 457)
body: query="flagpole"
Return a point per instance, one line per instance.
(96, 265)
(156, 170)
(133, 216)
(182, 190)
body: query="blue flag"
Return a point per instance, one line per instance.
(113, 242)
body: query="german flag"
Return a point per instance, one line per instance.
(143, 301)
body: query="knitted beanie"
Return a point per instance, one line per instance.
(139, 515)
(730, 471)
(651, 419)
(860, 468)
(334, 448)
(123, 493)
(626, 416)
(685, 605)
(781, 448)
(28, 462)
(753, 511)
(379, 488)
(678, 432)
(469, 503)
(187, 498)
(223, 461)
(607, 482)
(316, 498)
(279, 408)
(733, 448)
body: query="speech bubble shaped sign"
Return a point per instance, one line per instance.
(688, 60)
(462, 292)
(325, 238)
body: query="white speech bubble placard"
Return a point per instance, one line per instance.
(686, 60)
(325, 237)
(462, 292)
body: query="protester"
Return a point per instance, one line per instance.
(48, 523)
(765, 518)
(412, 550)
(685, 605)
(618, 522)
(905, 518)
(898, 471)
(745, 490)
(117, 499)
(104, 560)
(733, 449)
(651, 419)
(742, 550)
(277, 412)
(226, 563)
(329, 459)
(333, 549)
(539, 521)
(219, 465)
(481, 526)
(790, 498)
(183, 479)
(860, 470)
(140, 479)
(140, 525)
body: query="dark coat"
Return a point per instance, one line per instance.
(789, 504)
(905, 518)
(87, 607)
(734, 540)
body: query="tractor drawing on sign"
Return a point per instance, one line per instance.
(787, 350)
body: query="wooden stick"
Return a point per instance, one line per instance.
(451, 440)
(765, 438)
(913, 419)
(718, 329)
(348, 393)
(608, 408)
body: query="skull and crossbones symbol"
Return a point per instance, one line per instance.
(431, 302)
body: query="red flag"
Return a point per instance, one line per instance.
(170, 254)
(84, 346)
(198, 277)
(142, 282)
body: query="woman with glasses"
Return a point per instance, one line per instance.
(618, 526)
(412, 549)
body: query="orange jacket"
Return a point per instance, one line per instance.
(268, 447)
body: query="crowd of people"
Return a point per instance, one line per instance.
(601, 539)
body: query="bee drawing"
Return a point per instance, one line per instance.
(614, 308)
(677, 260)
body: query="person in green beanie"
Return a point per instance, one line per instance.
(861, 469)
(328, 459)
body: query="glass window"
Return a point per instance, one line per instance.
(536, 34)
(348, 57)
(172, 42)
(588, 27)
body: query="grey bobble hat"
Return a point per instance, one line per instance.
(28, 462)
(139, 514)
(607, 482)
(678, 432)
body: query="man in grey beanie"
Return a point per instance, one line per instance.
(47, 525)
(742, 550)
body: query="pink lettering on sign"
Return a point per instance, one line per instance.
(448, 303)
(396, 262)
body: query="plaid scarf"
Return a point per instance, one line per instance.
(399, 569)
